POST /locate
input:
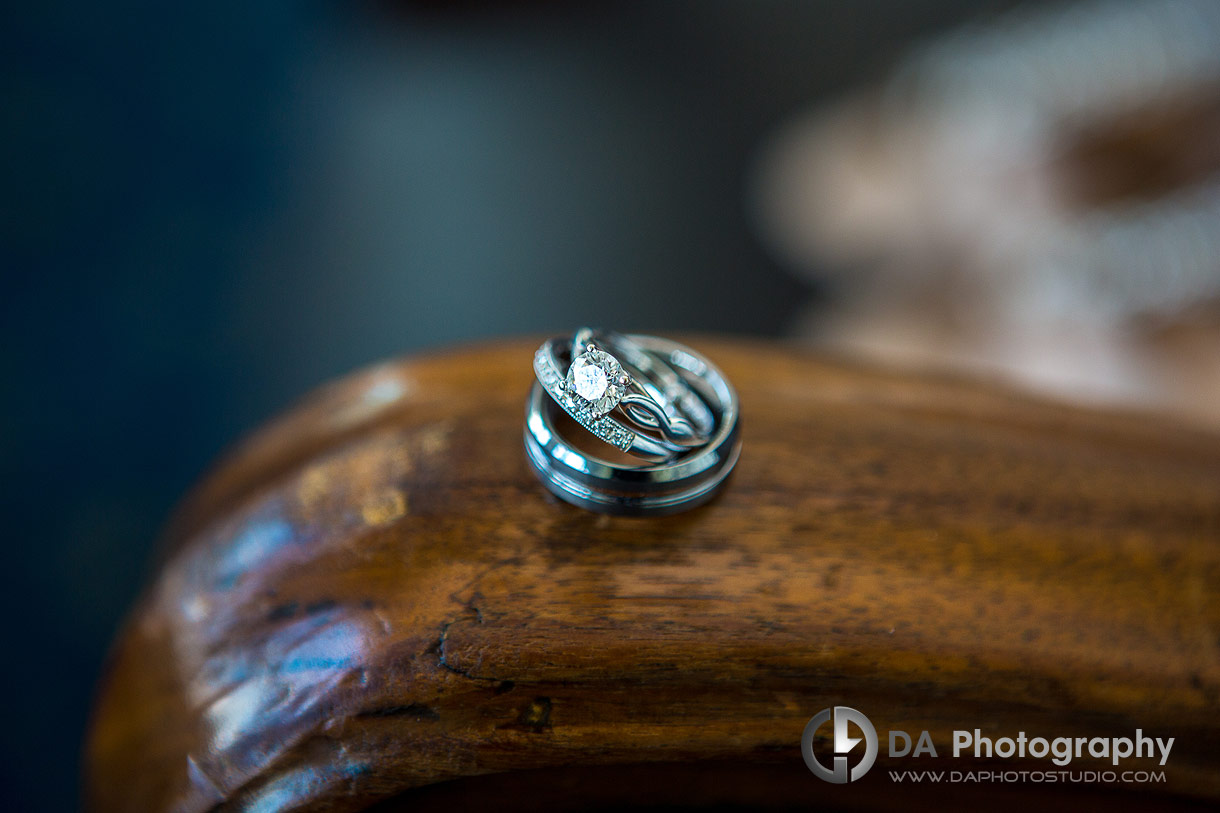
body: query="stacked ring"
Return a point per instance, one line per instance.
(653, 399)
(664, 384)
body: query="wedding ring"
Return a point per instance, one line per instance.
(685, 415)
(676, 482)
(591, 390)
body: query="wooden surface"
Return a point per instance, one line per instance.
(373, 595)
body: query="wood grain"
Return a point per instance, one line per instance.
(373, 595)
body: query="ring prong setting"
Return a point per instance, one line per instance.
(596, 381)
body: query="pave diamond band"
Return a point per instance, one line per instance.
(594, 413)
(666, 403)
(602, 426)
(677, 412)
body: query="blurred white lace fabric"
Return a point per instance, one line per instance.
(1037, 198)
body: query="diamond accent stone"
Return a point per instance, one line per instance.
(596, 378)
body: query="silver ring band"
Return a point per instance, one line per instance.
(685, 412)
(549, 364)
(681, 482)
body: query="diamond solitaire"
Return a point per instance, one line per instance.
(596, 378)
(632, 381)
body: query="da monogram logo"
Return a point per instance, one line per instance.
(843, 743)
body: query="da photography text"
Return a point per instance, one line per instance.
(973, 743)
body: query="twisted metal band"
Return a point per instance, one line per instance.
(682, 482)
